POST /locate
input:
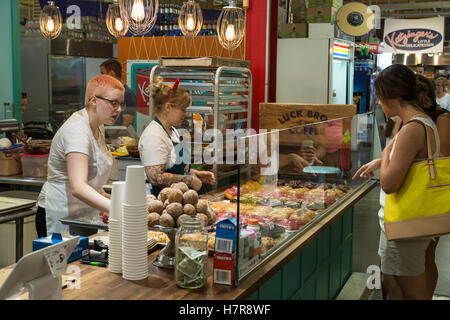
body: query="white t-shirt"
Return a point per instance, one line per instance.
(429, 123)
(444, 102)
(155, 146)
(75, 135)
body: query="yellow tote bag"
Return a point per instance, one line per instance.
(421, 207)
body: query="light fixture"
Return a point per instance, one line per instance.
(190, 19)
(140, 15)
(50, 21)
(231, 26)
(117, 26)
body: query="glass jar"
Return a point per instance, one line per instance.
(191, 253)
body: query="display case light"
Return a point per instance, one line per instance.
(50, 21)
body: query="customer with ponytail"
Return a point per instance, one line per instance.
(164, 162)
(402, 93)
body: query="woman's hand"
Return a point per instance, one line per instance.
(104, 193)
(298, 162)
(309, 154)
(196, 184)
(206, 176)
(367, 170)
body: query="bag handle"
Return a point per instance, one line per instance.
(431, 167)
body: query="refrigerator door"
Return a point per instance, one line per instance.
(341, 78)
(340, 82)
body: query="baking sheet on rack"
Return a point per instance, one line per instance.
(8, 204)
(88, 220)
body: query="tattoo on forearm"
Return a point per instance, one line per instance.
(158, 176)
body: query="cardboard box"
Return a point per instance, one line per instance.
(298, 11)
(10, 167)
(294, 30)
(295, 4)
(321, 31)
(321, 14)
(224, 268)
(334, 3)
(226, 235)
(80, 250)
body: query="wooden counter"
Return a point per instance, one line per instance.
(99, 283)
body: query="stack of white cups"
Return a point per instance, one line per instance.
(115, 227)
(134, 226)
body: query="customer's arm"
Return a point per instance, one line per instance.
(443, 126)
(77, 168)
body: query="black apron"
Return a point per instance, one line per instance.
(177, 168)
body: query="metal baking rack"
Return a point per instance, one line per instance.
(217, 91)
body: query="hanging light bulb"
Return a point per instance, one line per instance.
(138, 11)
(190, 24)
(50, 25)
(190, 18)
(116, 25)
(230, 34)
(50, 21)
(139, 15)
(231, 26)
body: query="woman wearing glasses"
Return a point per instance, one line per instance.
(79, 163)
(162, 159)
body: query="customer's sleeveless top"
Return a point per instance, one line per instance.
(428, 122)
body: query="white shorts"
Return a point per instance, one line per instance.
(402, 257)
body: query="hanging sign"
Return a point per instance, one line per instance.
(414, 35)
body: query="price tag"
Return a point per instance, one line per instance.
(57, 260)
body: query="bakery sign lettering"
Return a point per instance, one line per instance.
(413, 39)
(302, 117)
(299, 113)
(414, 35)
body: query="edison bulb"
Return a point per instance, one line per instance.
(118, 24)
(190, 23)
(230, 34)
(50, 25)
(138, 12)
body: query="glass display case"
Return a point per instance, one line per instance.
(300, 175)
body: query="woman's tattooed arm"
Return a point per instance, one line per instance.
(158, 177)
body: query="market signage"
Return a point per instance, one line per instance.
(341, 50)
(414, 35)
(365, 48)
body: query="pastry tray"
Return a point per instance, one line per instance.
(86, 220)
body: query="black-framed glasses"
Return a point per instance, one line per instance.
(114, 103)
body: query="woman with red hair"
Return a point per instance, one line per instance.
(79, 162)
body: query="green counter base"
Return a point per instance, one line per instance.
(318, 272)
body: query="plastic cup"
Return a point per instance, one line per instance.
(117, 198)
(135, 186)
(134, 277)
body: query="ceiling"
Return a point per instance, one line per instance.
(410, 9)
